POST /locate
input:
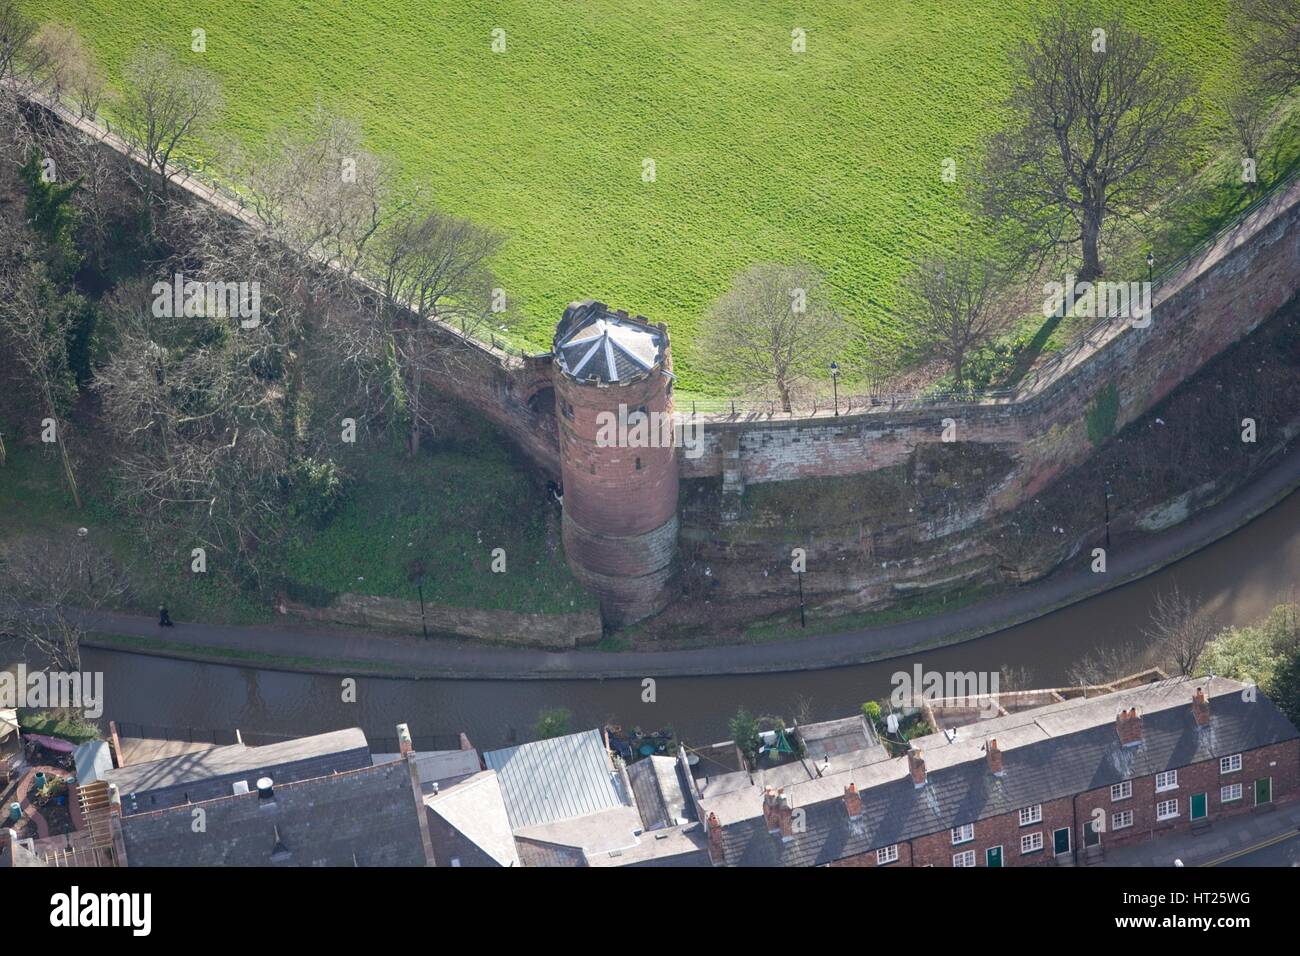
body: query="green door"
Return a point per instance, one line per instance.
(1263, 790)
(993, 856)
(1061, 841)
(1198, 806)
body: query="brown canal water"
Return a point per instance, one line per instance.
(1239, 578)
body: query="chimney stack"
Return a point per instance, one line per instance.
(784, 816)
(715, 840)
(1201, 708)
(917, 767)
(769, 810)
(852, 801)
(995, 758)
(1129, 727)
(403, 739)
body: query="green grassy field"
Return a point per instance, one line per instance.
(832, 155)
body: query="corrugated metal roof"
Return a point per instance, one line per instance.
(557, 779)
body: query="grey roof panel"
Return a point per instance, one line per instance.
(557, 779)
(364, 817)
(1048, 769)
(207, 774)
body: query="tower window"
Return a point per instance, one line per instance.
(638, 464)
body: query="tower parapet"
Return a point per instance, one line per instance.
(614, 407)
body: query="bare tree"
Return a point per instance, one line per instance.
(16, 33)
(1180, 629)
(429, 266)
(166, 106)
(951, 306)
(193, 403)
(45, 584)
(1248, 114)
(1272, 32)
(68, 67)
(1102, 666)
(1101, 126)
(775, 329)
(320, 193)
(34, 321)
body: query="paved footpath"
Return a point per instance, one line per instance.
(1217, 845)
(333, 650)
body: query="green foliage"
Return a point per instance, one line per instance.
(52, 216)
(313, 490)
(1102, 414)
(552, 722)
(1257, 652)
(871, 710)
(448, 508)
(851, 185)
(745, 728)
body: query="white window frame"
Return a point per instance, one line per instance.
(887, 854)
(1121, 820)
(1035, 842)
(1162, 812)
(1032, 814)
(1225, 791)
(1230, 764)
(1166, 780)
(1121, 791)
(965, 858)
(963, 834)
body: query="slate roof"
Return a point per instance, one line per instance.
(208, 774)
(594, 344)
(550, 780)
(468, 822)
(1058, 751)
(365, 817)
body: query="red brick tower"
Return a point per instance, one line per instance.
(614, 404)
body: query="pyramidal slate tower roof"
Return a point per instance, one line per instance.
(596, 345)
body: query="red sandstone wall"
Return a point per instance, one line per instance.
(620, 503)
(1221, 298)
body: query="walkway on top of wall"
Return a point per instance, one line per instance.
(333, 651)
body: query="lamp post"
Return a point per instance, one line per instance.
(1106, 502)
(835, 386)
(1151, 264)
(802, 622)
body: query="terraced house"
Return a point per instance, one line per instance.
(1052, 785)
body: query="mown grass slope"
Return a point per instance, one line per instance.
(832, 155)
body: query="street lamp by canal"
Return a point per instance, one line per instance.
(1151, 264)
(835, 386)
(802, 622)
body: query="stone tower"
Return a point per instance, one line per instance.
(614, 404)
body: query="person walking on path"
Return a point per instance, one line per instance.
(164, 619)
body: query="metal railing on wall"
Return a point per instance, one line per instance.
(203, 183)
(1090, 339)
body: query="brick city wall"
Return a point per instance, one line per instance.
(1221, 297)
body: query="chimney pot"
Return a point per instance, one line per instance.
(265, 789)
(715, 839)
(995, 758)
(404, 739)
(1201, 708)
(916, 765)
(852, 801)
(1128, 725)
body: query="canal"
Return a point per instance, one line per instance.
(1239, 578)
